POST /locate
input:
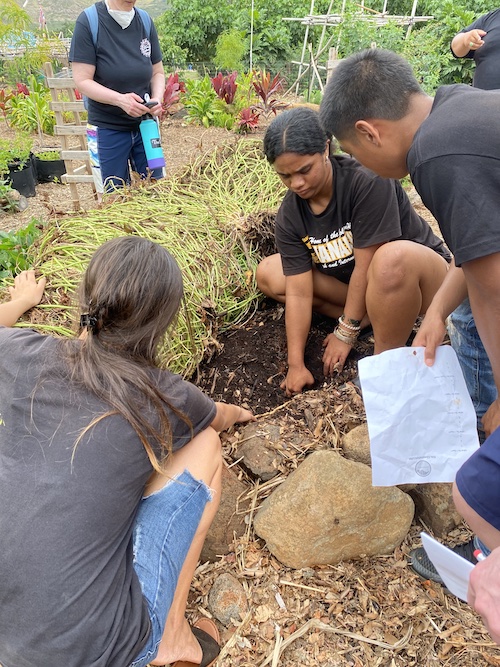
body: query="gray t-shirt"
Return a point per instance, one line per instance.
(68, 593)
(454, 163)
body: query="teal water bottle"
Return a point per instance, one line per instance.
(150, 134)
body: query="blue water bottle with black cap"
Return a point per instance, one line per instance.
(150, 133)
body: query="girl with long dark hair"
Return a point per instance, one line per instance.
(110, 475)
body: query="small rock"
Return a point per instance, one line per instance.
(227, 599)
(259, 455)
(434, 505)
(356, 445)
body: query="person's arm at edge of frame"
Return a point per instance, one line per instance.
(463, 42)
(298, 316)
(449, 296)
(483, 277)
(25, 294)
(484, 592)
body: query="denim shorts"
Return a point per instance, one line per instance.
(115, 148)
(164, 529)
(473, 359)
(478, 480)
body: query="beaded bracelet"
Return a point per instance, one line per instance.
(349, 339)
(353, 335)
(349, 323)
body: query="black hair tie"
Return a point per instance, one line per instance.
(88, 322)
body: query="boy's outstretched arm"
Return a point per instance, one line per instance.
(25, 294)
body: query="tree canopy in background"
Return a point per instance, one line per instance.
(13, 20)
(209, 31)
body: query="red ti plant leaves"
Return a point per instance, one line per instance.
(173, 90)
(225, 86)
(4, 98)
(248, 120)
(268, 90)
(22, 89)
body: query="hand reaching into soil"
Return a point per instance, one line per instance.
(296, 379)
(25, 294)
(229, 414)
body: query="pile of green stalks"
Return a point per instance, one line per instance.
(201, 217)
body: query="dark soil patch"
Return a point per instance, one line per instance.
(252, 360)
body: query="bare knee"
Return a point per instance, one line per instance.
(269, 277)
(388, 268)
(205, 456)
(202, 456)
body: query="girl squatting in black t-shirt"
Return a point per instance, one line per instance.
(350, 246)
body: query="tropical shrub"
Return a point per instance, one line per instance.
(29, 109)
(225, 86)
(172, 94)
(200, 102)
(230, 48)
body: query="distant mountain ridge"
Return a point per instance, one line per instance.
(58, 13)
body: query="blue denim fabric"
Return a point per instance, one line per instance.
(115, 148)
(473, 360)
(164, 529)
(477, 481)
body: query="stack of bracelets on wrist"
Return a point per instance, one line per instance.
(347, 330)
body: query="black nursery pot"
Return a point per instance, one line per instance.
(49, 171)
(23, 179)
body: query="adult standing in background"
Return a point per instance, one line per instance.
(116, 66)
(481, 42)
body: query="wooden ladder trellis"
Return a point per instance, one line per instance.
(73, 132)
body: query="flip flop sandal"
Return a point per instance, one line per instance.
(207, 634)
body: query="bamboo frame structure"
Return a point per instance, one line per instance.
(311, 66)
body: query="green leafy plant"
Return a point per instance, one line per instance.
(15, 151)
(14, 247)
(229, 49)
(8, 200)
(32, 112)
(200, 102)
(224, 119)
(49, 155)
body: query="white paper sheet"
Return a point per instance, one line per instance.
(421, 420)
(453, 569)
